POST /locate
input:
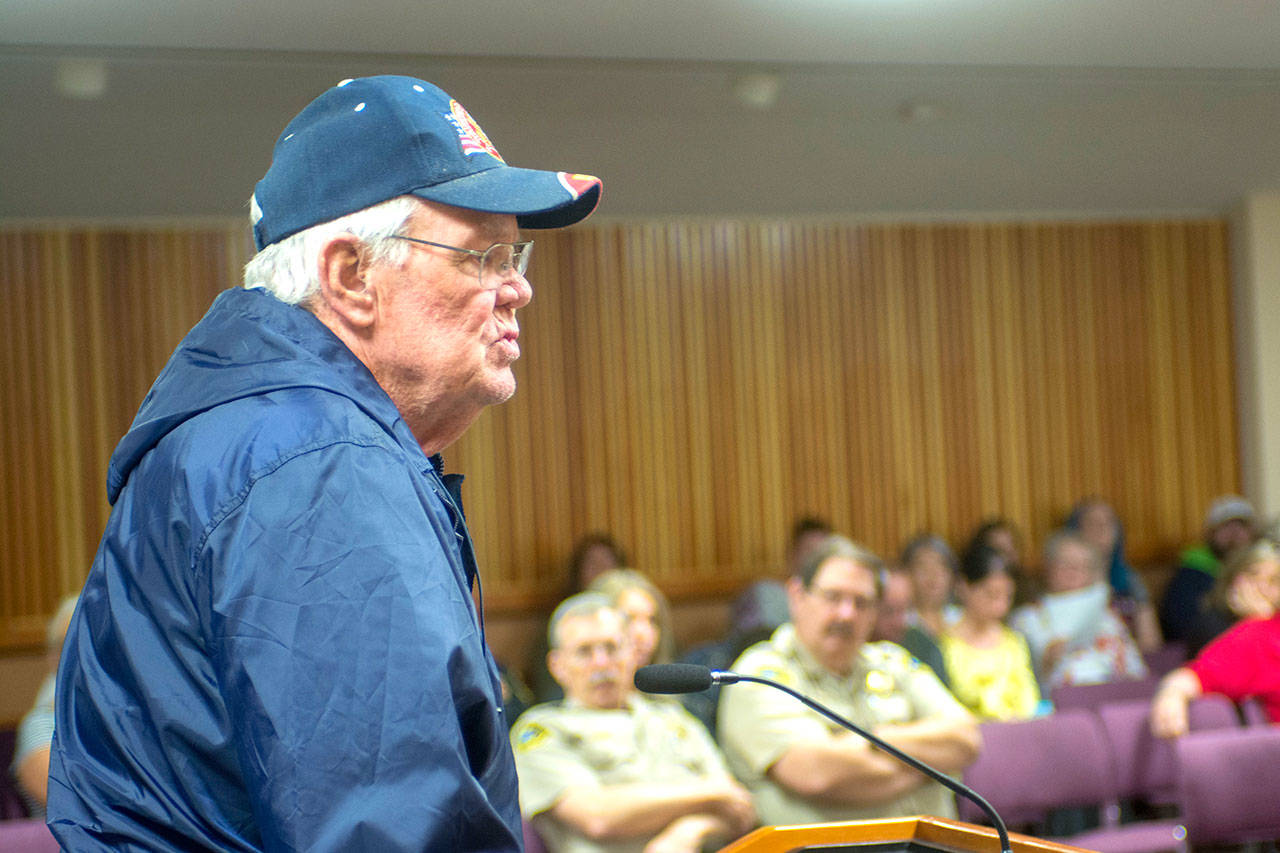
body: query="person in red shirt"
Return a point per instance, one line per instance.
(1244, 662)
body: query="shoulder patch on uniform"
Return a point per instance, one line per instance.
(880, 682)
(782, 676)
(529, 736)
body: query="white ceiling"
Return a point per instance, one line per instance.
(1040, 106)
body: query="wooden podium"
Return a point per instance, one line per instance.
(893, 835)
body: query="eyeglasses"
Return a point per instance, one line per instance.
(611, 649)
(834, 598)
(498, 263)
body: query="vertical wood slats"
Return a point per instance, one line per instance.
(694, 386)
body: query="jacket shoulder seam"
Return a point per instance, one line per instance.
(238, 498)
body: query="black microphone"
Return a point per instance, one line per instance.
(674, 678)
(692, 678)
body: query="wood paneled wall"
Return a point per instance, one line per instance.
(694, 386)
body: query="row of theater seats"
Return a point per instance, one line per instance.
(26, 835)
(1215, 785)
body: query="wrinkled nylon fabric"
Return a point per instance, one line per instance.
(276, 647)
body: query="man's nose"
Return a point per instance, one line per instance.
(516, 291)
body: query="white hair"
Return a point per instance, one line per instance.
(287, 269)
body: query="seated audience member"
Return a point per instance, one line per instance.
(1096, 521)
(893, 623)
(1247, 588)
(646, 610)
(990, 664)
(1242, 663)
(748, 625)
(932, 566)
(769, 595)
(1003, 535)
(593, 555)
(609, 769)
(516, 695)
(35, 731)
(755, 613)
(1074, 635)
(803, 768)
(1230, 523)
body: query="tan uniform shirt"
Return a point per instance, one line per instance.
(757, 724)
(561, 745)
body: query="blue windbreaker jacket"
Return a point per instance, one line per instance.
(276, 647)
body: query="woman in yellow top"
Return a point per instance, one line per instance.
(989, 663)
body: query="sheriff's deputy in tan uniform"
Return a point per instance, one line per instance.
(608, 769)
(802, 768)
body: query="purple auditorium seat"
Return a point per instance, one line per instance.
(533, 842)
(1070, 696)
(1228, 784)
(1253, 712)
(1165, 659)
(29, 835)
(1031, 767)
(11, 805)
(1146, 766)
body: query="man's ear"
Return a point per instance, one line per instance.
(553, 666)
(795, 589)
(344, 287)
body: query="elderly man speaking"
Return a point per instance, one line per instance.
(276, 647)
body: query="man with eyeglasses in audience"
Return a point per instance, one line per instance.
(277, 646)
(801, 767)
(610, 769)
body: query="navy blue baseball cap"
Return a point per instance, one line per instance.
(375, 138)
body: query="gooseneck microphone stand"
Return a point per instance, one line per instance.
(692, 678)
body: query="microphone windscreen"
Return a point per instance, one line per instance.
(673, 678)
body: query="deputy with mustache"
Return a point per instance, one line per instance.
(802, 768)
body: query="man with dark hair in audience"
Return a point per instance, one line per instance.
(277, 647)
(765, 601)
(894, 626)
(801, 767)
(1230, 523)
(609, 769)
(754, 614)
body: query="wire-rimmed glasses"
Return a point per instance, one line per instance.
(497, 263)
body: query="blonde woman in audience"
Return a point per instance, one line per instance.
(35, 732)
(647, 612)
(988, 663)
(1074, 635)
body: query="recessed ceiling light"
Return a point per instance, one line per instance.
(757, 90)
(82, 79)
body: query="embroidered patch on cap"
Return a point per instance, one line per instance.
(577, 184)
(469, 133)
